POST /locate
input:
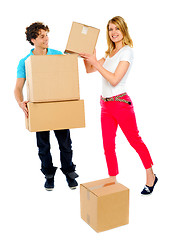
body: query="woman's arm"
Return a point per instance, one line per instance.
(112, 78)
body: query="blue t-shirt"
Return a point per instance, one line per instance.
(21, 73)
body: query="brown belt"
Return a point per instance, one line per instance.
(117, 98)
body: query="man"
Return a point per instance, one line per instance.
(37, 35)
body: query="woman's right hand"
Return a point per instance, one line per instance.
(91, 61)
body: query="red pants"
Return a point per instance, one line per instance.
(114, 113)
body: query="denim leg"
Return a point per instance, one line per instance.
(64, 141)
(43, 144)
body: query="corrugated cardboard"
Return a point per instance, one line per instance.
(82, 39)
(55, 115)
(104, 204)
(52, 78)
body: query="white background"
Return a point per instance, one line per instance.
(27, 211)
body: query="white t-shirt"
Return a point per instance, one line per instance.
(110, 64)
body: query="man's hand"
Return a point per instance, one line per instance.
(23, 106)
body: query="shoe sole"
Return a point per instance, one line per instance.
(49, 189)
(72, 188)
(146, 195)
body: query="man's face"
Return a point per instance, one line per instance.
(42, 40)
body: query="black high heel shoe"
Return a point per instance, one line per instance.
(148, 190)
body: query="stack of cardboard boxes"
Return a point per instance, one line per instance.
(53, 84)
(53, 93)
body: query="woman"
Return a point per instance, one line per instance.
(116, 105)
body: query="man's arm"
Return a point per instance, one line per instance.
(18, 92)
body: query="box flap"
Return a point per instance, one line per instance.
(104, 187)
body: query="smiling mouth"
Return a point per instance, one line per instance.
(115, 36)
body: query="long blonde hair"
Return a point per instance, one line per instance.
(121, 24)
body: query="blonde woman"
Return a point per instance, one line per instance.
(116, 105)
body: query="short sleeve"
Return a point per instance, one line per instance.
(21, 73)
(127, 55)
(60, 53)
(54, 52)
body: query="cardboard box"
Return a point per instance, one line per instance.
(52, 78)
(82, 38)
(104, 204)
(55, 115)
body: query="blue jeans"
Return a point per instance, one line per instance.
(64, 142)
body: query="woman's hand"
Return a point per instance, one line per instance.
(91, 59)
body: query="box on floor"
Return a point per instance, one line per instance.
(104, 204)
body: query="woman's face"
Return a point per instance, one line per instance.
(114, 33)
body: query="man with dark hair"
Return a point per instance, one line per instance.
(37, 35)
(32, 32)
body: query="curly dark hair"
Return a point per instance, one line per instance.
(32, 32)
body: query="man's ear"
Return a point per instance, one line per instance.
(32, 40)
